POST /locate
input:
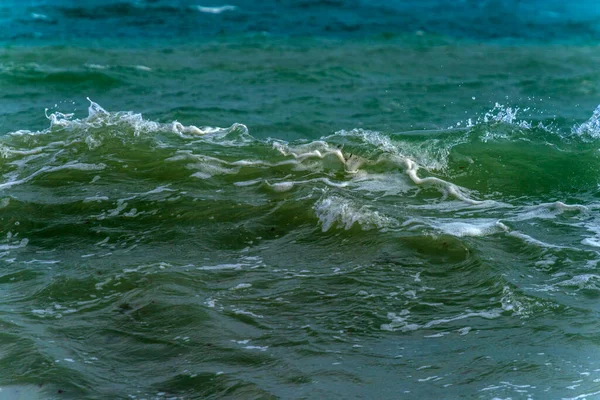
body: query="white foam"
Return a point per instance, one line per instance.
(221, 266)
(15, 182)
(22, 243)
(386, 183)
(432, 153)
(43, 262)
(374, 138)
(511, 303)
(260, 348)
(447, 187)
(530, 240)
(206, 167)
(177, 127)
(94, 109)
(97, 199)
(547, 211)
(77, 166)
(437, 335)
(95, 66)
(335, 210)
(282, 186)
(399, 322)
(315, 150)
(249, 183)
(584, 281)
(248, 313)
(242, 286)
(210, 303)
(594, 242)
(288, 185)
(583, 396)
(215, 10)
(201, 175)
(475, 228)
(40, 17)
(158, 189)
(482, 314)
(98, 116)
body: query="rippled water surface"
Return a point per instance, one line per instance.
(358, 199)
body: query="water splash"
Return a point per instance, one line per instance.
(591, 127)
(334, 210)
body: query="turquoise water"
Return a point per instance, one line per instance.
(299, 200)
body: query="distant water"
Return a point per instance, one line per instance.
(143, 21)
(299, 199)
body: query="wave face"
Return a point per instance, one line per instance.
(204, 254)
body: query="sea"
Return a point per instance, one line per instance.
(299, 199)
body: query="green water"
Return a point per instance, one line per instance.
(370, 225)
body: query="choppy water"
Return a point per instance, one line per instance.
(402, 201)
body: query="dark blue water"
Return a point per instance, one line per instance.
(141, 22)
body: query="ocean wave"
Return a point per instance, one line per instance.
(121, 124)
(36, 74)
(357, 178)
